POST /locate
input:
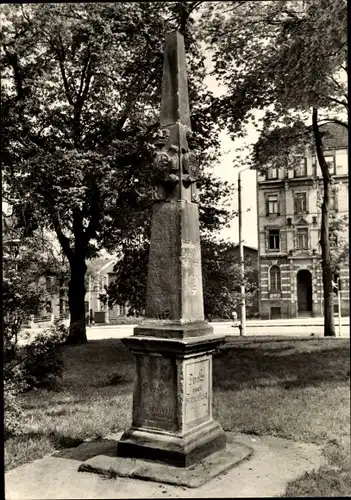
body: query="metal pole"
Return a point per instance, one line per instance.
(242, 268)
(98, 293)
(107, 317)
(339, 307)
(89, 296)
(89, 299)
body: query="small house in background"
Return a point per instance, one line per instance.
(99, 276)
(50, 279)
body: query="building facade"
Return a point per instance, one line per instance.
(289, 221)
(100, 275)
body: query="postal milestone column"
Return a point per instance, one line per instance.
(173, 346)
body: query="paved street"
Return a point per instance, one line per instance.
(303, 327)
(121, 331)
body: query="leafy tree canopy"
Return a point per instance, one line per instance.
(81, 103)
(283, 57)
(220, 271)
(81, 95)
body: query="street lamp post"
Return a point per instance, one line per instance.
(241, 254)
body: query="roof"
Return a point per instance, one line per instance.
(247, 246)
(336, 136)
(96, 265)
(235, 249)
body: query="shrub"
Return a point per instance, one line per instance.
(12, 409)
(39, 364)
(43, 362)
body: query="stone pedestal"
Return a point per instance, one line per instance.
(172, 403)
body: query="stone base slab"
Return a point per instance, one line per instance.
(179, 451)
(191, 477)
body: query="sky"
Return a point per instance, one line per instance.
(226, 171)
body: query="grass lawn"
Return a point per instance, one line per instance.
(292, 388)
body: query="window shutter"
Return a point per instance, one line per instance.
(278, 205)
(267, 206)
(295, 205)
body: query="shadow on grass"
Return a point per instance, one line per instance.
(57, 439)
(74, 448)
(86, 450)
(290, 364)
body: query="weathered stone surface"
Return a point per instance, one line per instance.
(155, 396)
(174, 285)
(175, 100)
(172, 347)
(173, 384)
(198, 391)
(172, 400)
(172, 448)
(192, 477)
(173, 329)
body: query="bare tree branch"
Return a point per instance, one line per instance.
(61, 59)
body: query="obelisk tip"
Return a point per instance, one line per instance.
(175, 100)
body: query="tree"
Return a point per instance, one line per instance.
(220, 271)
(222, 279)
(289, 60)
(339, 241)
(81, 93)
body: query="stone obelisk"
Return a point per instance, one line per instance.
(173, 346)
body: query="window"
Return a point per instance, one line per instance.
(300, 203)
(331, 164)
(49, 285)
(272, 201)
(274, 276)
(314, 166)
(301, 238)
(301, 170)
(272, 173)
(273, 239)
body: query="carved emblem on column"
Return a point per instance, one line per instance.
(190, 169)
(165, 165)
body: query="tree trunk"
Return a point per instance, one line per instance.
(76, 299)
(329, 328)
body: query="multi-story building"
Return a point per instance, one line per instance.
(289, 221)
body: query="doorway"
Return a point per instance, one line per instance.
(276, 313)
(304, 293)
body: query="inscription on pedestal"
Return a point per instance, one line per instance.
(197, 391)
(157, 404)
